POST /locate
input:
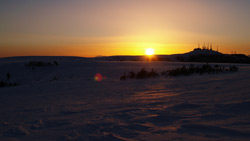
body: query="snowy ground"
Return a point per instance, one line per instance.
(65, 102)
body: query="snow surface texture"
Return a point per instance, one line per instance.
(65, 102)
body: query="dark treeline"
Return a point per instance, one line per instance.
(41, 63)
(140, 75)
(179, 71)
(34, 64)
(220, 58)
(199, 70)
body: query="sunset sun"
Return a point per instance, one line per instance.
(149, 51)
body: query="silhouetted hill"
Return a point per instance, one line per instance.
(198, 51)
(197, 55)
(205, 55)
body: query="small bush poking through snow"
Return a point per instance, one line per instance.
(8, 75)
(2, 84)
(143, 73)
(6, 84)
(55, 62)
(123, 77)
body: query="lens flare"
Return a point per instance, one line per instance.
(98, 77)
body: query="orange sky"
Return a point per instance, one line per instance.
(91, 28)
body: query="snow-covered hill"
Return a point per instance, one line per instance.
(67, 102)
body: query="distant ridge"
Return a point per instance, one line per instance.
(44, 57)
(174, 57)
(197, 55)
(41, 58)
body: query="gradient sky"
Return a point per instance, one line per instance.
(121, 27)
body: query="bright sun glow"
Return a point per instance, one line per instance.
(149, 51)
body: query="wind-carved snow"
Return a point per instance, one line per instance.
(76, 107)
